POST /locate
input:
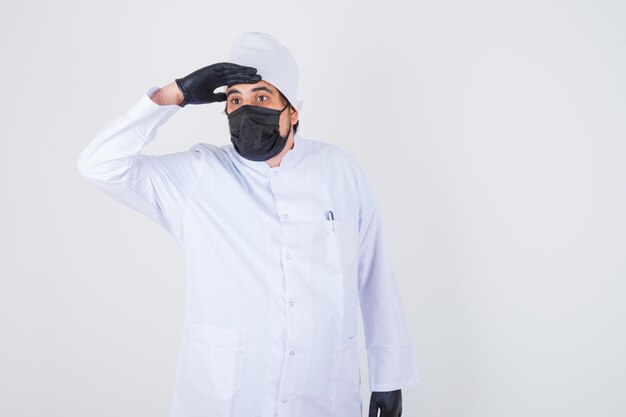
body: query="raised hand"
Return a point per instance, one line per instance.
(199, 86)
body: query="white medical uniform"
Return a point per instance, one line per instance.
(272, 285)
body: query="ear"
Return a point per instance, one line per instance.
(293, 114)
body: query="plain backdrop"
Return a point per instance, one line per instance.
(494, 134)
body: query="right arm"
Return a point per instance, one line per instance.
(157, 186)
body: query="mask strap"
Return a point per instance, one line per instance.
(288, 132)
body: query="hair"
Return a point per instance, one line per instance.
(286, 103)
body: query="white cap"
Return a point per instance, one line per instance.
(272, 60)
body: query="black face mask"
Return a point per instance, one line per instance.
(254, 132)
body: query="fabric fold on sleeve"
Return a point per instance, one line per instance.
(390, 356)
(155, 185)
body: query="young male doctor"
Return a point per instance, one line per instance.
(282, 240)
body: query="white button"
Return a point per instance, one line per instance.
(291, 303)
(288, 256)
(292, 353)
(285, 401)
(275, 173)
(285, 216)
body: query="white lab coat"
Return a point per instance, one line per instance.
(272, 292)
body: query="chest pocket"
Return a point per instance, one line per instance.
(341, 241)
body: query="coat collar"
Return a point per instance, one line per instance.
(290, 159)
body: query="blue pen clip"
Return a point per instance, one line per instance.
(331, 217)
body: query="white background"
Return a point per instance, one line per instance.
(493, 132)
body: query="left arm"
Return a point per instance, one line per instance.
(391, 362)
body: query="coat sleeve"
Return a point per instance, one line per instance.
(390, 357)
(157, 186)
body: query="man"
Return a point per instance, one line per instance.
(282, 239)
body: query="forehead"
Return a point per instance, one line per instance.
(250, 88)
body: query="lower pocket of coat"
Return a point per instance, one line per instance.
(215, 359)
(342, 345)
(346, 373)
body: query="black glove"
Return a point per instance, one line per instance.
(389, 402)
(198, 87)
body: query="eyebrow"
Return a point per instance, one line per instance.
(255, 89)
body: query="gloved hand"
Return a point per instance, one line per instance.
(389, 402)
(198, 87)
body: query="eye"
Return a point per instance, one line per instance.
(262, 98)
(235, 101)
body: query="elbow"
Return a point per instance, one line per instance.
(84, 166)
(108, 170)
(91, 168)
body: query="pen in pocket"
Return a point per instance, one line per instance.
(331, 217)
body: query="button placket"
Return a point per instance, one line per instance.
(285, 213)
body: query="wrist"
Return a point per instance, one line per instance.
(168, 95)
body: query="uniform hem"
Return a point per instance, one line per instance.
(394, 386)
